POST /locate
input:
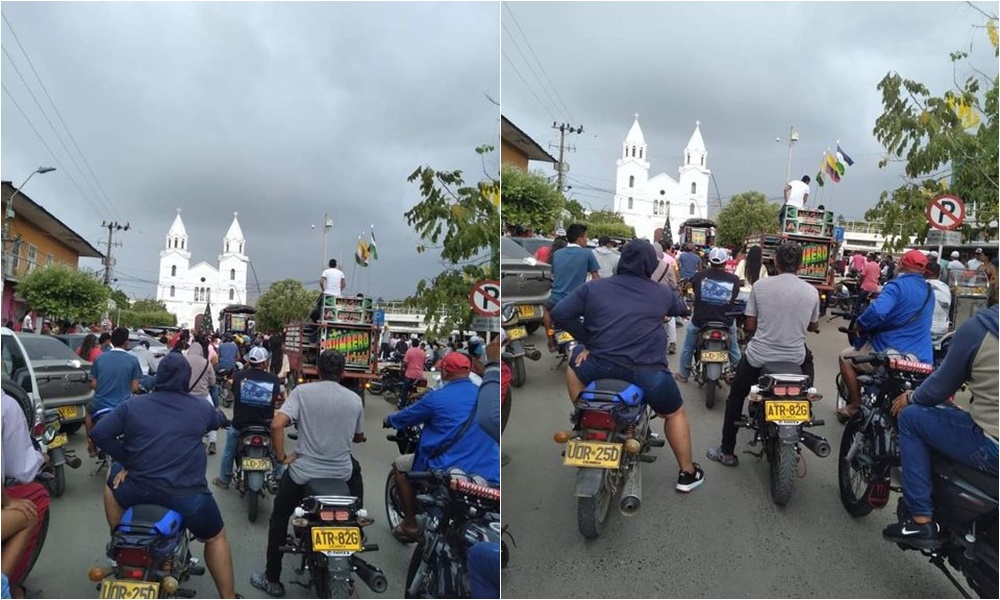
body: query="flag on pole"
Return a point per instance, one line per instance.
(372, 247)
(819, 174)
(362, 253)
(843, 155)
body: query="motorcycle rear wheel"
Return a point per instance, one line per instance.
(342, 589)
(710, 389)
(850, 476)
(376, 387)
(226, 396)
(592, 512)
(393, 505)
(58, 485)
(519, 372)
(782, 462)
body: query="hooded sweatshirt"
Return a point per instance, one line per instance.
(623, 315)
(607, 259)
(972, 357)
(161, 432)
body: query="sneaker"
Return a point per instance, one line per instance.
(259, 581)
(673, 348)
(715, 453)
(688, 481)
(915, 535)
(211, 448)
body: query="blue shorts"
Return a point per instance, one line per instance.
(659, 387)
(200, 512)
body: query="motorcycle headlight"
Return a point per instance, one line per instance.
(508, 311)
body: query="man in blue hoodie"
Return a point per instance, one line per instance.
(155, 440)
(931, 424)
(622, 337)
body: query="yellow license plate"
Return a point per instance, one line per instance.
(69, 412)
(336, 539)
(58, 441)
(116, 588)
(527, 311)
(598, 455)
(256, 464)
(714, 356)
(563, 336)
(517, 333)
(796, 411)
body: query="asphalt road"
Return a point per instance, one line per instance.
(725, 539)
(78, 531)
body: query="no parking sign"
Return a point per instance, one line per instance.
(945, 212)
(485, 298)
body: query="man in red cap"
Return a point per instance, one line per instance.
(451, 437)
(897, 322)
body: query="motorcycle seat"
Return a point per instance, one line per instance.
(781, 368)
(613, 389)
(142, 517)
(985, 482)
(715, 325)
(256, 430)
(327, 487)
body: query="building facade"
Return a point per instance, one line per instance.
(646, 202)
(186, 290)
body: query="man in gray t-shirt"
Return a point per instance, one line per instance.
(780, 311)
(328, 418)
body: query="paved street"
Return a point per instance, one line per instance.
(725, 539)
(78, 532)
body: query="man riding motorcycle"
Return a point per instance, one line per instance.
(155, 441)
(622, 330)
(328, 418)
(969, 437)
(451, 437)
(570, 267)
(114, 377)
(715, 291)
(779, 312)
(897, 322)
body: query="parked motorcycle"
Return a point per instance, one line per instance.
(150, 556)
(779, 412)
(965, 507)
(517, 349)
(390, 378)
(253, 469)
(869, 447)
(328, 533)
(458, 511)
(711, 356)
(60, 456)
(610, 438)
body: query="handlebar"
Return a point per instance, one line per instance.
(871, 358)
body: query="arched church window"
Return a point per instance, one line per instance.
(241, 248)
(232, 293)
(633, 151)
(656, 208)
(631, 181)
(182, 244)
(694, 188)
(227, 246)
(687, 158)
(232, 274)
(703, 160)
(196, 294)
(663, 207)
(691, 209)
(171, 291)
(173, 270)
(208, 294)
(640, 152)
(630, 202)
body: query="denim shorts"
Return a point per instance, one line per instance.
(200, 512)
(660, 389)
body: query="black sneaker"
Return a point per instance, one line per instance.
(688, 481)
(914, 535)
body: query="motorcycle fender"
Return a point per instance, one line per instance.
(788, 434)
(713, 371)
(255, 480)
(588, 482)
(516, 348)
(57, 457)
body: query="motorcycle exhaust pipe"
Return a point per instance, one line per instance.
(73, 461)
(372, 576)
(631, 493)
(533, 354)
(819, 446)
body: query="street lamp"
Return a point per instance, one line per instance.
(8, 216)
(793, 136)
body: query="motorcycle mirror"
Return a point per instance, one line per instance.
(49, 435)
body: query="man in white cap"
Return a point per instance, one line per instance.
(954, 266)
(976, 262)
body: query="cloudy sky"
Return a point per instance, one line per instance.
(279, 111)
(748, 71)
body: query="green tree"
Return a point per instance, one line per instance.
(575, 209)
(149, 305)
(529, 200)
(605, 216)
(617, 230)
(746, 214)
(947, 142)
(121, 299)
(285, 301)
(133, 318)
(63, 292)
(463, 223)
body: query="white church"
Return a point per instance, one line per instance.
(186, 290)
(645, 201)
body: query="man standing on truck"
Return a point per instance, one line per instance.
(333, 281)
(796, 195)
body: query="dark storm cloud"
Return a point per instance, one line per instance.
(747, 71)
(279, 111)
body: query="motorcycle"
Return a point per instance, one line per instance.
(224, 378)
(869, 447)
(458, 512)
(516, 348)
(390, 379)
(780, 410)
(328, 533)
(711, 357)
(610, 438)
(407, 440)
(54, 443)
(965, 507)
(564, 345)
(150, 556)
(253, 469)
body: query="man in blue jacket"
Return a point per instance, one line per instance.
(159, 459)
(968, 437)
(451, 437)
(897, 322)
(622, 337)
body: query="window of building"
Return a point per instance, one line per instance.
(631, 181)
(196, 290)
(173, 270)
(15, 259)
(662, 192)
(232, 293)
(227, 246)
(687, 158)
(691, 209)
(232, 274)
(49, 259)
(208, 294)
(656, 208)
(630, 202)
(694, 188)
(640, 152)
(32, 254)
(703, 160)
(171, 291)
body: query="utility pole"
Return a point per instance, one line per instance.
(561, 167)
(112, 226)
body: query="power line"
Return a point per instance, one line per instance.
(526, 84)
(540, 65)
(58, 113)
(531, 69)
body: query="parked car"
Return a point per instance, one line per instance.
(524, 282)
(158, 348)
(62, 378)
(531, 244)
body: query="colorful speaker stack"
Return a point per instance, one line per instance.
(347, 328)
